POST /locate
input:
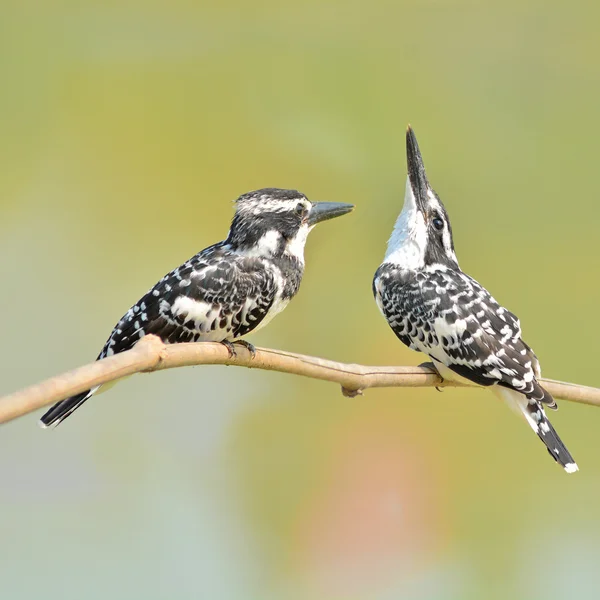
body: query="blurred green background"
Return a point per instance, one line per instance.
(126, 130)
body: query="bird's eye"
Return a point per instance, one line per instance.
(438, 223)
(300, 209)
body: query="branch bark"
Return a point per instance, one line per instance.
(150, 354)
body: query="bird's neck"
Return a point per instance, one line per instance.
(433, 267)
(412, 247)
(407, 244)
(410, 250)
(269, 244)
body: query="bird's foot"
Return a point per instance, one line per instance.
(431, 366)
(230, 348)
(250, 347)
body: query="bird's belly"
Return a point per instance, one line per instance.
(449, 375)
(278, 306)
(215, 336)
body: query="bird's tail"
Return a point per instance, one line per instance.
(534, 414)
(61, 410)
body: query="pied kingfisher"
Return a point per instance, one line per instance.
(227, 290)
(435, 308)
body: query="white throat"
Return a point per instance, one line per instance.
(295, 247)
(406, 246)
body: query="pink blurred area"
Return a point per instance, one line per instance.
(380, 512)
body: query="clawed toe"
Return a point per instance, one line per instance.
(250, 347)
(431, 365)
(230, 348)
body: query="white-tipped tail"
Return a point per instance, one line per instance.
(534, 414)
(61, 410)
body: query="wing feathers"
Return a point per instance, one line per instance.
(452, 318)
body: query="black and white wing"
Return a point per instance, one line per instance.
(452, 318)
(216, 295)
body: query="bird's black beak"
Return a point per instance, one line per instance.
(322, 211)
(416, 169)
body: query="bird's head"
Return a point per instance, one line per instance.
(272, 222)
(422, 235)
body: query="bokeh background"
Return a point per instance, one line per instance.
(126, 130)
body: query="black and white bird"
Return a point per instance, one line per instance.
(435, 308)
(227, 290)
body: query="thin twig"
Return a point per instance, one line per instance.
(150, 354)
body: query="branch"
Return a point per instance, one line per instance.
(150, 354)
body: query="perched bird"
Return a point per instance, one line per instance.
(435, 308)
(227, 290)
